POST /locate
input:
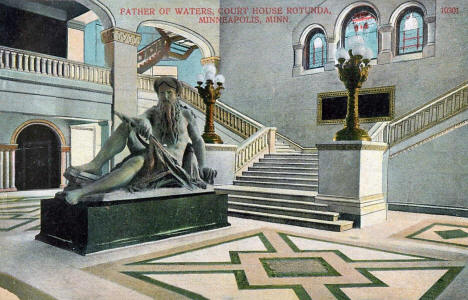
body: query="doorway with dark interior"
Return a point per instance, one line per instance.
(37, 160)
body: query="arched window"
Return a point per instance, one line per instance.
(410, 31)
(362, 21)
(315, 50)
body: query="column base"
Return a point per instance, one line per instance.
(352, 134)
(429, 50)
(364, 211)
(211, 138)
(384, 58)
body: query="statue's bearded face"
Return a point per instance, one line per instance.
(169, 111)
(167, 93)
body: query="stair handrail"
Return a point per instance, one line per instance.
(428, 115)
(295, 145)
(378, 132)
(225, 115)
(251, 149)
(33, 62)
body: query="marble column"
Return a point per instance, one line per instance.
(429, 47)
(298, 57)
(7, 167)
(64, 164)
(385, 54)
(121, 55)
(331, 45)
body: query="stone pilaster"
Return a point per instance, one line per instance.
(298, 59)
(331, 45)
(385, 54)
(429, 48)
(64, 164)
(121, 55)
(7, 167)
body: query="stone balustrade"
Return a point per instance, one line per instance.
(7, 167)
(430, 114)
(262, 142)
(27, 61)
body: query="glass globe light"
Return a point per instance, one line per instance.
(355, 41)
(220, 79)
(200, 78)
(210, 76)
(209, 68)
(369, 53)
(342, 53)
(361, 50)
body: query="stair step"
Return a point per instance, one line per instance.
(290, 160)
(292, 165)
(263, 168)
(292, 155)
(285, 211)
(339, 225)
(278, 180)
(292, 186)
(280, 202)
(272, 193)
(311, 175)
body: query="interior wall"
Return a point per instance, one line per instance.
(33, 32)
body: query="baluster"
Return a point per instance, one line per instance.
(49, 67)
(457, 102)
(7, 59)
(1, 58)
(20, 61)
(32, 63)
(26, 62)
(13, 60)
(54, 67)
(39, 64)
(60, 68)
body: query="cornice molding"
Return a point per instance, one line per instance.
(120, 35)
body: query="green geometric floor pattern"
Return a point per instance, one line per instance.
(19, 214)
(287, 266)
(457, 236)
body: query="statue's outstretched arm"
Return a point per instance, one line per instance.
(197, 141)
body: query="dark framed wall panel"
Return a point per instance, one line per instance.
(375, 105)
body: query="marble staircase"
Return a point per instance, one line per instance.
(281, 188)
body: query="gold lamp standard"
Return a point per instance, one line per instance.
(353, 68)
(210, 93)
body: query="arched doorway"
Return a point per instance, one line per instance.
(38, 158)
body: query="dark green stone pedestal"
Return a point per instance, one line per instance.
(108, 222)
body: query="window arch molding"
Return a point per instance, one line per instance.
(305, 40)
(396, 19)
(345, 14)
(300, 47)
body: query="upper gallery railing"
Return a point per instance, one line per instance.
(428, 115)
(223, 114)
(27, 61)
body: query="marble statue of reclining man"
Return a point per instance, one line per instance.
(174, 155)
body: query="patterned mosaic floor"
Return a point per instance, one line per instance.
(19, 214)
(270, 264)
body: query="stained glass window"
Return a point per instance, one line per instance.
(317, 50)
(364, 24)
(410, 33)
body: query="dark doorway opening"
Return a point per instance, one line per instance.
(37, 160)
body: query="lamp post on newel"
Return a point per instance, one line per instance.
(210, 92)
(353, 68)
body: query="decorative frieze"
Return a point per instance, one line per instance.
(210, 60)
(120, 35)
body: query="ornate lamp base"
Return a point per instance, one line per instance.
(211, 138)
(352, 134)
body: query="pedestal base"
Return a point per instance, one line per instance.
(351, 180)
(119, 219)
(212, 138)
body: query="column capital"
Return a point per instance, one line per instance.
(76, 25)
(298, 47)
(430, 19)
(210, 60)
(386, 28)
(120, 35)
(8, 147)
(330, 39)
